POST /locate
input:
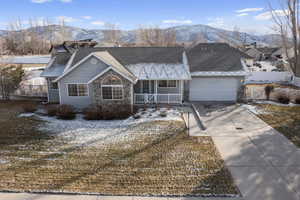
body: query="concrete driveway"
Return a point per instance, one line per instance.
(264, 163)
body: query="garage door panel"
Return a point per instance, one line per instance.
(213, 89)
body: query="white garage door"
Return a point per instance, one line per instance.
(213, 89)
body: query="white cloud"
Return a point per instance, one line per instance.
(268, 15)
(242, 14)
(174, 21)
(249, 10)
(98, 23)
(40, 1)
(87, 17)
(66, 1)
(65, 19)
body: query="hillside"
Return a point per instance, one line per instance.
(187, 33)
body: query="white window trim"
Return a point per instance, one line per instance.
(87, 87)
(112, 86)
(167, 84)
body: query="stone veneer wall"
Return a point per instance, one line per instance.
(97, 97)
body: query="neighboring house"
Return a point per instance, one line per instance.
(144, 75)
(32, 84)
(255, 53)
(27, 62)
(217, 71)
(265, 53)
(269, 53)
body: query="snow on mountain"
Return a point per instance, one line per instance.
(186, 33)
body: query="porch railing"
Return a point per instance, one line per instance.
(157, 98)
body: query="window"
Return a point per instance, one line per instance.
(53, 86)
(112, 88)
(77, 90)
(168, 84)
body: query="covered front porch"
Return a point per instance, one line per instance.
(159, 92)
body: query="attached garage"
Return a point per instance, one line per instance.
(214, 88)
(217, 72)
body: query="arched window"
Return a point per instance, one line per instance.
(112, 88)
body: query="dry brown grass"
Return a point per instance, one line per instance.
(169, 163)
(284, 119)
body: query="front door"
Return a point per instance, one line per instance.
(147, 88)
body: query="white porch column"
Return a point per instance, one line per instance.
(182, 89)
(155, 88)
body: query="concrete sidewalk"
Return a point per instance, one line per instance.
(25, 196)
(264, 164)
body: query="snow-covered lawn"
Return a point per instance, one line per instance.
(266, 66)
(103, 132)
(152, 155)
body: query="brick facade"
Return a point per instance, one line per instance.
(97, 91)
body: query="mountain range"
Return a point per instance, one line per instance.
(184, 34)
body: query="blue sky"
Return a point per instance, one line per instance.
(249, 15)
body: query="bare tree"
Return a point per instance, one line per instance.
(112, 34)
(154, 36)
(22, 40)
(287, 24)
(64, 33)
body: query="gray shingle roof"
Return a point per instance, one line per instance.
(58, 66)
(214, 57)
(135, 55)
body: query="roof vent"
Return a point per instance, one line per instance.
(94, 61)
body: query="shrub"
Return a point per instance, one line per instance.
(283, 98)
(65, 112)
(268, 90)
(51, 110)
(29, 107)
(93, 112)
(163, 114)
(136, 116)
(297, 100)
(121, 111)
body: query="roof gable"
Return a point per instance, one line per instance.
(106, 58)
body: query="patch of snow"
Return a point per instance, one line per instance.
(25, 159)
(254, 109)
(266, 66)
(277, 103)
(2, 161)
(26, 115)
(80, 132)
